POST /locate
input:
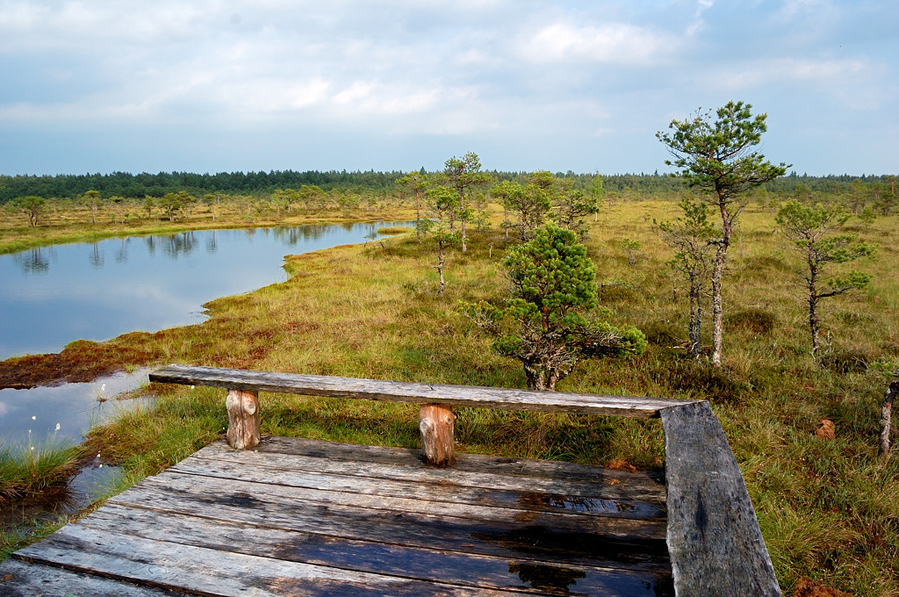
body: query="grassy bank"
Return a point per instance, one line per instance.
(79, 225)
(829, 509)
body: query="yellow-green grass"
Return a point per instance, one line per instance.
(829, 509)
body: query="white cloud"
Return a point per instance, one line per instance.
(617, 43)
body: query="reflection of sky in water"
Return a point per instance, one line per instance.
(74, 407)
(53, 295)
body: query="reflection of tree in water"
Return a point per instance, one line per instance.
(547, 578)
(33, 261)
(180, 244)
(121, 256)
(97, 258)
(295, 234)
(151, 244)
(372, 232)
(211, 244)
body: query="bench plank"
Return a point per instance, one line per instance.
(418, 393)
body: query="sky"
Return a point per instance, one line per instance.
(396, 85)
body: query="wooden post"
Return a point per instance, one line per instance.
(886, 415)
(243, 419)
(435, 423)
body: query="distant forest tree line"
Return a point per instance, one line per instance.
(139, 186)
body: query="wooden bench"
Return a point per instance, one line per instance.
(713, 537)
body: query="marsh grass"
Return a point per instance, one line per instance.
(829, 509)
(34, 470)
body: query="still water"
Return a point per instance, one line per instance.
(97, 291)
(53, 295)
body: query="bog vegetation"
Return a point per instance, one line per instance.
(828, 503)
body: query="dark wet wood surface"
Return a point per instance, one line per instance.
(302, 517)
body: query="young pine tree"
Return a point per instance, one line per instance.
(544, 323)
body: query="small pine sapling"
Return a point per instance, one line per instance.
(811, 230)
(544, 323)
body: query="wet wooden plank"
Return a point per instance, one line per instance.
(276, 502)
(418, 393)
(605, 484)
(434, 565)
(592, 500)
(25, 579)
(714, 540)
(295, 520)
(486, 537)
(216, 572)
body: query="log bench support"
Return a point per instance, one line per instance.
(435, 423)
(243, 419)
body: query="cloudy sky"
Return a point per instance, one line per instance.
(227, 85)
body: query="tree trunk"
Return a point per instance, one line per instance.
(440, 268)
(418, 217)
(813, 306)
(717, 279)
(886, 414)
(462, 214)
(718, 308)
(435, 423)
(243, 419)
(695, 316)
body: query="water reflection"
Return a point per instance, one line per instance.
(73, 407)
(33, 261)
(149, 284)
(97, 256)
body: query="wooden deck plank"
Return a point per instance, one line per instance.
(497, 535)
(218, 572)
(256, 495)
(27, 579)
(418, 393)
(605, 484)
(286, 520)
(434, 564)
(480, 463)
(714, 539)
(586, 503)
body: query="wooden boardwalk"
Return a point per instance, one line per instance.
(303, 517)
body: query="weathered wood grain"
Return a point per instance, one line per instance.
(243, 419)
(435, 565)
(226, 522)
(496, 538)
(479, 463)
(24, 579)
(419, 393)
(258, 499)
(435, 425)
(216, 572)
(592, 501)
(606, 484)
(714, 540)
